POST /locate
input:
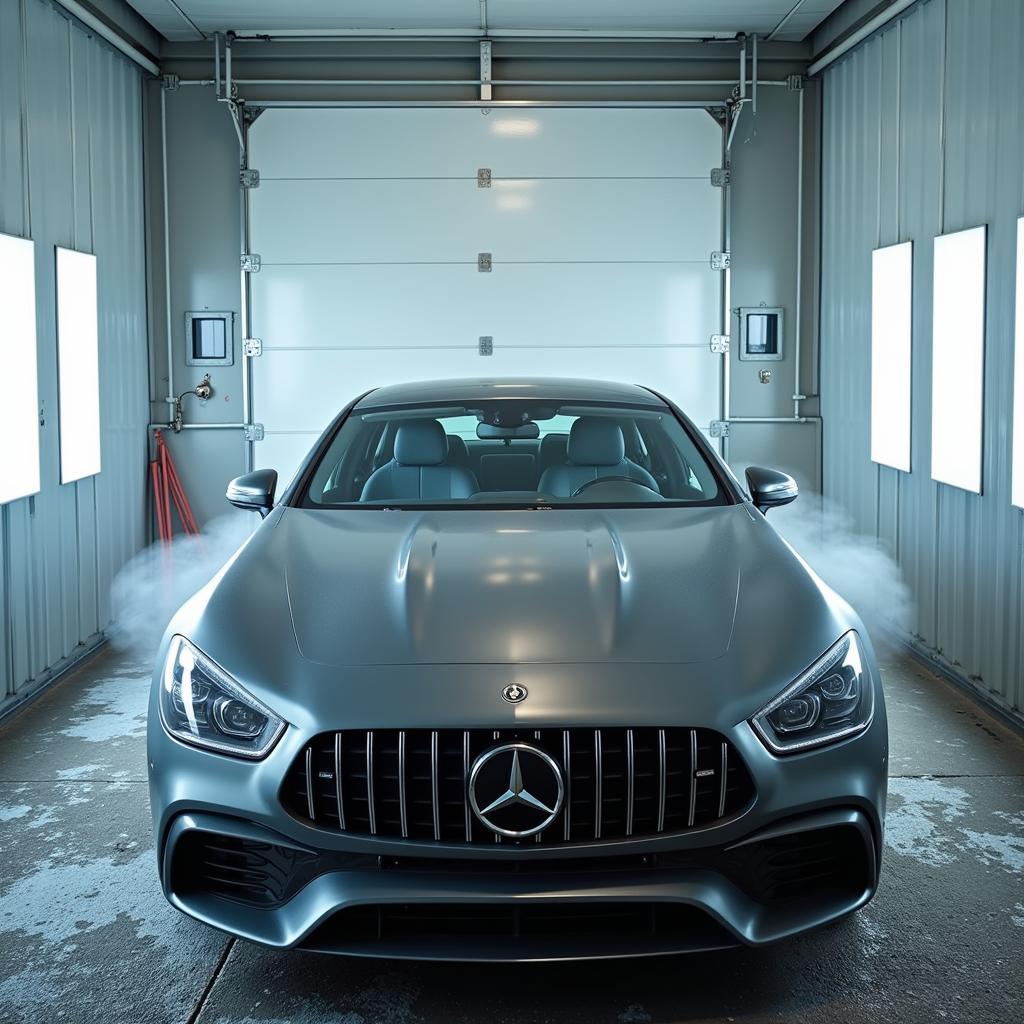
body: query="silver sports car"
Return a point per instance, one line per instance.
(516, 670)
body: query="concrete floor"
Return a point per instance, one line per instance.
(85, 934)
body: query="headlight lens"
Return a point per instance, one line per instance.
(832, 699)
(201, 704)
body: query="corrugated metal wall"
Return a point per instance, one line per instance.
(71, 175)
(923, 134)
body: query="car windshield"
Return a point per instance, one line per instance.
(513, 454)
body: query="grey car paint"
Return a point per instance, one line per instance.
(371, 618)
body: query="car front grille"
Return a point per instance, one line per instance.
(619, 782)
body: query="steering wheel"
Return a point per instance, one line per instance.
(611, 479)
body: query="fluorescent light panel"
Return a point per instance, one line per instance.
(891, 303)
(958, 357)
(78, 365)
(1017, 485)
(19, 408)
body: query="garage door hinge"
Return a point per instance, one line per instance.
(483, 262)
(719, 428)
(170, 82)
(720, 343)
(251, 262)
(483, 177)
(795, 83)
(721, 176)
(252, 346)
(254, 432)
(249, 177)
(720, 260)
(486, 345)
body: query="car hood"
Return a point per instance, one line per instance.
(381, 587)
(327, 614)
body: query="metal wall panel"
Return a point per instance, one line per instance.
(71, 153)
(923, 134)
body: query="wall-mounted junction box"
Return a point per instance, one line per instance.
(209, 338)
(761, 333)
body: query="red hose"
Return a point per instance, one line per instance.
(167, 486)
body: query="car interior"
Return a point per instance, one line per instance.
(526, 455)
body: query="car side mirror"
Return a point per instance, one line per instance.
(254, 491)
(769, 488)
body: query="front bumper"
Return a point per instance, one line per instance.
(361, 895)
(583, 908)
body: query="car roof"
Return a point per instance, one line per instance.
(565, 390)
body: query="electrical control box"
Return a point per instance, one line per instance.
(761, 333)
(209, 338)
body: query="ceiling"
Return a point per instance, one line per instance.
(182, 20)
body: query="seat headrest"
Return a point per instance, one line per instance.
(457, 447)
(554, 444)
(595, 442)
(421, 443)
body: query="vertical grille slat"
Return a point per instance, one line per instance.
(369, 783)
(567, 781)
(661, 780)
(435, 802)
(338, 793)
(723, 781)
(465, 786)
(618, 782)
(693, 779)
(309, 784)
(630, 780)
(401, 785)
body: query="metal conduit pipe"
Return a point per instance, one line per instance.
(105, 32)
(169, 397)
(475, 82)
(798, 395)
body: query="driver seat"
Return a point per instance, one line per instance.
(596, 448)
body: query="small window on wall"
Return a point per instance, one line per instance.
(19, 408)
(891, 303)
(78, 365)
(1018, 378)
(958, 351)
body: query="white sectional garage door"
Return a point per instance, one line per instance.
(369, 223)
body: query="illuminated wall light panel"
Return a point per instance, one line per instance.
(958, 358)
(78, 365)
(19, 408)
(1018, 378)
(891, 317)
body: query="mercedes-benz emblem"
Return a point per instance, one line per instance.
(516, 790)
(514, 693)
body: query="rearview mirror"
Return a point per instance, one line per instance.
(491, 432)
(254, 491)
(769, 488)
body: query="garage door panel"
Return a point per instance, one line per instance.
(512, 143)
(444, 306)
(528, 220)
(326, 380)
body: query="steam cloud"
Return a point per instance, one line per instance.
(157, 581)
(854, 565)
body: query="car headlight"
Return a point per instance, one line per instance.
(832, 699)
(202, 705)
